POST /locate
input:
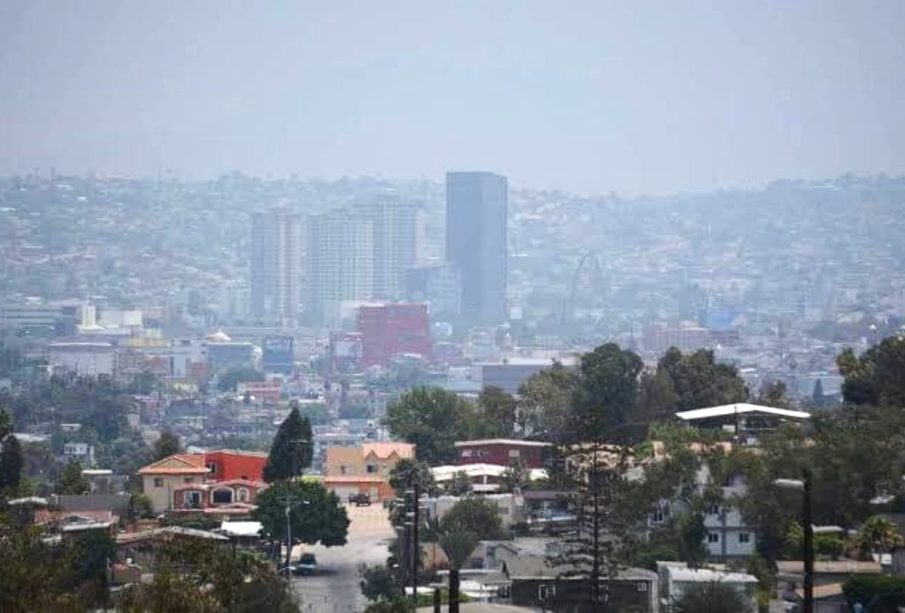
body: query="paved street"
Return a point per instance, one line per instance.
(335, 588)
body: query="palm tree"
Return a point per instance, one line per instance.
(458, 546)
(877, 534)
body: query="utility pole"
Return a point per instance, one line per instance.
(807, 522)
(416, 550)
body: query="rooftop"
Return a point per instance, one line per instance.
(740, 408)
(502, 441)
(385, 450)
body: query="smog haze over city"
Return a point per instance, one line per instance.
(601, 303)
(592, 97)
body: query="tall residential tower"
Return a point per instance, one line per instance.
(276, 253)
(476, 235)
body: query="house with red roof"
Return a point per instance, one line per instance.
(201, 480)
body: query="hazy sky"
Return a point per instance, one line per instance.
(633, 96)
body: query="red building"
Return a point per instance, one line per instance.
(226, 465)
(502, 451)
(392, 329)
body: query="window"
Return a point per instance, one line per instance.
(342, 470)
(222, 496)
(212, 467)
(514, 453)
(545, 591)
(158, 481)
(242, 494)
(713, 537)
(371, 468)
(466, 453)
(744, 537)
(192, 500)
(713, 509)
(661, 514)
(641, 586)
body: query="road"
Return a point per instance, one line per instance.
(335, 588)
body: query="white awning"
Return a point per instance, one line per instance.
(741, 408)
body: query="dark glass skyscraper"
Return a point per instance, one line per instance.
(477, 206)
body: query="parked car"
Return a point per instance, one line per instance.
(360, 500)
(307, 565)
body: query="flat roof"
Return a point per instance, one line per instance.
(502, 441)
(740, 408)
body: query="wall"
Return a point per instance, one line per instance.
(162, 497)
(502, 454)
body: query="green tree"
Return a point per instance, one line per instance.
(657, 399)
(85, 561)
(433, 419)
(228, 381)
(166, 445)
(516, 477)
(876, 535)
(10, 463)
(407, 472)
(545, 400)
(6, 424)
(877, 377)
(193, 576)
(378, 583)
(606, 395)
(72, 481)
(817, 393)
(291, 450)
(459, 485)
(317, 515)
(31, 572)
(878, 594)
(692, 533)
(498, 408)
(699, 381)
(711, 597)
(458, 545)
(476, 515)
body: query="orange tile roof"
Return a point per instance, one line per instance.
(179, 464)
(385, 450)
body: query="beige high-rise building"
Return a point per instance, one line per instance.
(276, 253)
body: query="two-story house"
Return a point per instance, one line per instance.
(364, 469)
(167, 482)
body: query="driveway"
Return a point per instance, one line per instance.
(335, 588)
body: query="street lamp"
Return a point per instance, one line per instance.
(803, 485)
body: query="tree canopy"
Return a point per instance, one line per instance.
(71, 480)
(291, 450)
(476, 515)
(167, 445)
(433, 419)
(711, 597)
(545, 400)
(498, 410)
(877, 377)
(317, 515)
